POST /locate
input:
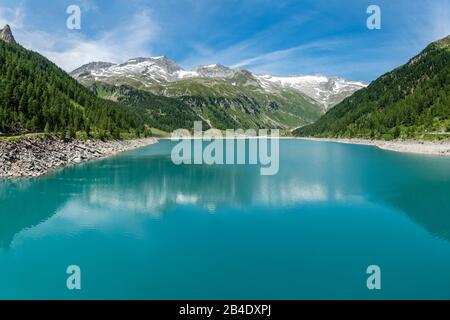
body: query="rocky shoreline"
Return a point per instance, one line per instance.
(438, 148)
(37, 156)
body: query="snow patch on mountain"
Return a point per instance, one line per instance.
(159, 70)
(88, 68)
(327, 91)
(145, 70)
(215, 71)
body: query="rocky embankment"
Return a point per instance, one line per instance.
(36, 156)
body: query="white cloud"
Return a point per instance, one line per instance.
(12, 16)
(246, 54)
(73, 49)
(135, 36)
(278, 55)
(251, 51)
(424, 24)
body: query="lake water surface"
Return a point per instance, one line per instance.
(140, 227)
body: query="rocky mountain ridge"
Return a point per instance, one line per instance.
(148, 72)
(6, 34)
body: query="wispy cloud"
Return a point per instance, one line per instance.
(275, 56)
(278, 37)
(308, 57)
(254, 49)
(72, 49)
(13, 16)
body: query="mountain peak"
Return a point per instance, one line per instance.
(443, 43)
(92, 66)
(147, 71)
(144, 59)
(215, 71)
(169, 66)
(215, 66)
(6, 34)
(325, 90)
(160, 58)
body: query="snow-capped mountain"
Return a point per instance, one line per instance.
(146, 72)
(215, 71)
(149, 70)
(327, 91)
(93, 66)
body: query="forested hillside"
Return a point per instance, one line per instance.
(239, 102)
(163, 113)
(37, 96)
(220, 111)
(409, 102)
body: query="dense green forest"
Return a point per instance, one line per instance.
(171, 113)
(163, 113)
(37, 96)
(411, 101)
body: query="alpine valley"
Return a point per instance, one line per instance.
(46, 114)
(169, 97)
(97, 202)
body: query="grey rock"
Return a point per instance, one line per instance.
(36, 156)
(6, 35)
(215, 71)
(93, 66)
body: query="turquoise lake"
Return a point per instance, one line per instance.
(141, 227)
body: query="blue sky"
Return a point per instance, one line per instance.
(278, 37)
